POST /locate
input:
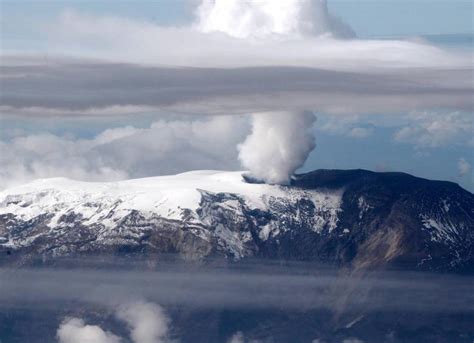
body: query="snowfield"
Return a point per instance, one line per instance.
(165, 196)
(108, 204)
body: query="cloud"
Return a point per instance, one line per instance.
(74, 330)
(352, 340)
(147, 322)
(429, 129)
(98, 89)
(274, 287)
(237, 337)
(165, 147)
(145, 43)
(279, 144)
(237, 58)
(464, 167)
(189, 70)
(361, 132)
(267, 18)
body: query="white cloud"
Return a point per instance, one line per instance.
(74, 330)
(147, 321)
(355, 126)
(464, 167)
(144, 42)
(237, 337)
(434, 129)
(166, 147)
(361, 132)
(269, 18)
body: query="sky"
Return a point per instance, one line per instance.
(82, 127)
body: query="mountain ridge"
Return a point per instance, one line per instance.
(348, 218)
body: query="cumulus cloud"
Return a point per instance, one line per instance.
(429, 129)
(279, 144)
(264, 18)
(464, 167)
(74, 330)
(166, 147)
(147, 321)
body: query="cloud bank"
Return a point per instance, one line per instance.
(165, 147)
(90, 88)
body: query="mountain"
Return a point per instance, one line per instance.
(346, 218)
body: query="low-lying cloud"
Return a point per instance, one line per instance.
(74, 330)
(252, 287)
(295, 286)
(165, 147)
(146, 321)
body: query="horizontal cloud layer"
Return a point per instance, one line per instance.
(97, 88)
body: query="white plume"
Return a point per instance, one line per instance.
(264, 18)
(279, 144)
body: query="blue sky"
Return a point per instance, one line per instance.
(376, 149)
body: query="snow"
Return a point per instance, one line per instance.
(107, 203)
(446, 205)
(162, 195)
(363, 206)
(441, 230)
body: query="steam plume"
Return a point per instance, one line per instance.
(279, 144)
(264, 18)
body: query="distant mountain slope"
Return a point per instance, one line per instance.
(352, 218)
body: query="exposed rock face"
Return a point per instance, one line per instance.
(351, 218)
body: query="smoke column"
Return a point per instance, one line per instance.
(279, 144)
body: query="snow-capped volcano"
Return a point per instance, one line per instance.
(165, 196)
(355, 217)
